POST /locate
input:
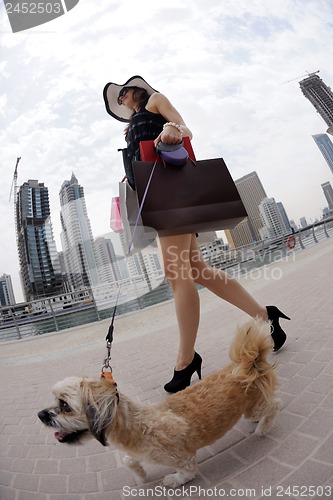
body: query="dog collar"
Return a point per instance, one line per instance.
(109, 376)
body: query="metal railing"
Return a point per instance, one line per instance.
(77, 308)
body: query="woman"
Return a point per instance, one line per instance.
(151, 116)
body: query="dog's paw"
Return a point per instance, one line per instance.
(177, 479)
(135, 466)
(172, 481)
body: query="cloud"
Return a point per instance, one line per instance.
(223, 65)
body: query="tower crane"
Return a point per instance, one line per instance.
(302, 76)
(14, 182)
(13, 190)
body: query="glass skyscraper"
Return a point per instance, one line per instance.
(6, 290)
(39, 262)
(325, 145)
(328, 192)
(76, 237)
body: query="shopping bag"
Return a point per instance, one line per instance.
(115, 219)
(197, 197)
(148, 151)
(135, 235)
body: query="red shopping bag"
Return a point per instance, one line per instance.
(115, 220)
(147, 150)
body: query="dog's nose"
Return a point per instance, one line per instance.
(45, 416)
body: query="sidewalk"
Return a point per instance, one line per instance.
(298, 451)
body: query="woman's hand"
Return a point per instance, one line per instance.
(169, 135)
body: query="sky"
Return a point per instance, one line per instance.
(231, 68)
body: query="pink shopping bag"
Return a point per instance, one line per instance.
(115, 220)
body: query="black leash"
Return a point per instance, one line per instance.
(109, 336)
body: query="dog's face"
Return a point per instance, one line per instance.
(83, 407)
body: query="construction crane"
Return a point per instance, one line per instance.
(13, 190)
(14, 182)
(302, 76)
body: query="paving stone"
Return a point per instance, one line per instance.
(296, 451)
(6, 478)
(46, 467)
(296, 385)
(7, 493)
(319, 423)
(114, 495)
(312, 369)
(53, 484)
(325, 452)
(26, 482)
(23, 465)
(323, 384)
(67, 497)
(102, 462)
(305, 403)
(27, 495)
(83, 483)
(115, 479)
(72, 465)
(311, 473)
(254, 448)
(263, 474)
(219, 467)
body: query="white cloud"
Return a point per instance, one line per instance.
(222, 63)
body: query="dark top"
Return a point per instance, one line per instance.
(144, 126)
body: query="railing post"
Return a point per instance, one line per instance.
(325, 230)
(19, 336)
(300, 240)
(313, 234)
(95, 305)
(53, 316)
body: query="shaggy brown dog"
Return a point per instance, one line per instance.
(171, 432)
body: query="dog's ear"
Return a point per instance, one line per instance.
(95, 426)
(99, 404)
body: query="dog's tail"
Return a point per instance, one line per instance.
(249, 352)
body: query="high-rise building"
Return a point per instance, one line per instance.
(39, 262)
(303, 222)
(76, 237)
(107, 262)
(320, 96)
(284, 216)
(252, 193)
(6, 291)
(325, 145)
(272, 218)
(328, 192)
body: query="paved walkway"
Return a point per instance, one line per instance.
(297, 453)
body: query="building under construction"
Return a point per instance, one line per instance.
(320, 96)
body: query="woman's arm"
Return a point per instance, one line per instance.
(158, 103)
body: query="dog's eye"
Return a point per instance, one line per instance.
(64, 406)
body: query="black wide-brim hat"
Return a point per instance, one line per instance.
(111, 93)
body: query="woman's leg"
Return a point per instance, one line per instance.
(177, 268)
(222, 285)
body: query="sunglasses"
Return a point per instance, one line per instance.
(123, 92)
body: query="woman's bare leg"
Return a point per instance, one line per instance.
(177, 268)
(222, 285)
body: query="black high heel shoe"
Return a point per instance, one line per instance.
(278, 335)
(182, 378)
